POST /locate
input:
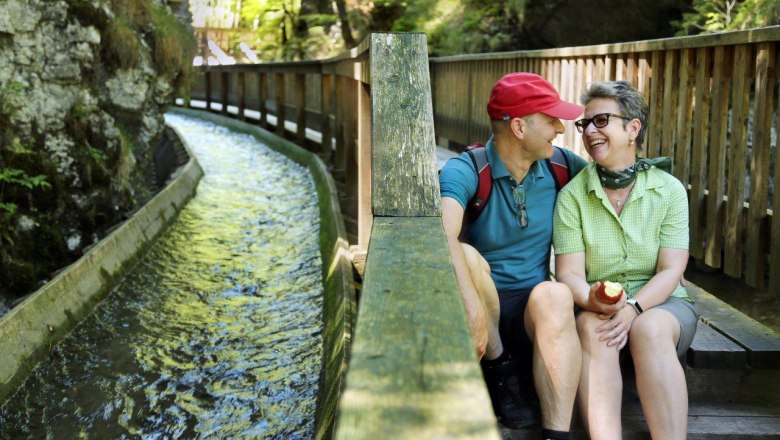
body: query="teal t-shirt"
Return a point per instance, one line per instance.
(519, 258)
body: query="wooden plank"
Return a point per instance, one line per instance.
(710, 349)
(717, 158)
(405, 178)
(364, 185)
(669, 106)
(759, 165)
(262, 97)
(740, 113)
(700, 127)
(224, 85)
(774, 228)
(653, 141)
(682, 151)
(241, 95)
(761, 343)
(300, 108)
(280, 104)
(413, 373)
(326, 110)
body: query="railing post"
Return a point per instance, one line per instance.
(280, 103)
(262, 96)
(364, 182)
(413, 372)
(207, 78)
(224, 80)
(241, 95)
(326, 87)
(300, 108)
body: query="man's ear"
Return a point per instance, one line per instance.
(519, 126)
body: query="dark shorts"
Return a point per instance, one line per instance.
(511, 325)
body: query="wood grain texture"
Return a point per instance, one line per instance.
(413, 372)
(761, 343)
(405, 181)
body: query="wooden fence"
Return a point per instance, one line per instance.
(713, 109)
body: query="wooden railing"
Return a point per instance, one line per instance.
(713, 106)
(713, 103)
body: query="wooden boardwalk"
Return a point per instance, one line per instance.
(412, 371)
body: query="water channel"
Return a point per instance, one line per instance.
(216, 333)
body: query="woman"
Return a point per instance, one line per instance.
(623, 219)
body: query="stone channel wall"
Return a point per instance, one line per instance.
(29, 330)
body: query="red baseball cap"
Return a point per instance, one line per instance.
(520, 94)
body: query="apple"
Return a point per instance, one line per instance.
(609, 292)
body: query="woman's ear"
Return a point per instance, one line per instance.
(634, 127)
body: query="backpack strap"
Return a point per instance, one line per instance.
(478, 154)
(559, 167)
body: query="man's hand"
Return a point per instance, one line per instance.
(475, 314)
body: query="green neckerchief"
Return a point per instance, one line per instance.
(623, 178)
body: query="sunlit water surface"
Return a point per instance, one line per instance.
(216, 333)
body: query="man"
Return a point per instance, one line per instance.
(502, 269)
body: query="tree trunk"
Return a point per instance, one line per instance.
(346, 31)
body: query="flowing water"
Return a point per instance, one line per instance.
(216, 333)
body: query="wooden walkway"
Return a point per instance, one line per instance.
(412, 370)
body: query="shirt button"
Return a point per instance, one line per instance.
(625, 257)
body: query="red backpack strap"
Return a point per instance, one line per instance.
(478, 154)
(559, 166)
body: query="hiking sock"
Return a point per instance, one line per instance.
(503, 357)
(549, 434)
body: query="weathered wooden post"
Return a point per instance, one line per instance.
(413, 372)
(223, 89)
(262, 96)
(280, 104)
(241, 95)
(326, 87)
(300, 108)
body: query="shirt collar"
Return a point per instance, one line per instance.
(499, 170)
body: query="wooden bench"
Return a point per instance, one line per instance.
(733, 376)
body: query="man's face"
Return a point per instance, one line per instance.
(541, 130)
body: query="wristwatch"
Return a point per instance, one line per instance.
(636, 306)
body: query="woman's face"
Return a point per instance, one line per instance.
(609, 145)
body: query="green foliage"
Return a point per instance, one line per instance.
(10, 177)
(19, 177)
(10, 97)
(709, 16)
(96, 155)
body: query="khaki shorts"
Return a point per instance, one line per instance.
(686, 315)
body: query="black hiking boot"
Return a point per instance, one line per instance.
(513, 396)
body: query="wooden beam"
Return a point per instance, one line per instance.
(413, 373)
(759, 165)
(405, 178)
(740, 114)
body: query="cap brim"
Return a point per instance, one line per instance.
(564, 110)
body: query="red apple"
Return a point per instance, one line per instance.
(609, 292)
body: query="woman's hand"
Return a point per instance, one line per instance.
(616, 327)
(605, 310)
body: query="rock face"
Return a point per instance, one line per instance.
(83, 86)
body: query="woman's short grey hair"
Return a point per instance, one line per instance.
(630, 101)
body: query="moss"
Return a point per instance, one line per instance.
(174, 46)
(121, 47)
